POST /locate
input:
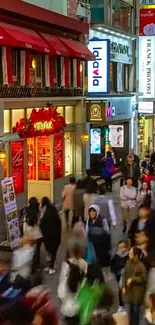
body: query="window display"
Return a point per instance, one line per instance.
(44, 158)
(6, 121)
(60, 110)
(116, 136)
(18, 165)
(58, 155)
(31, 148)
(17, 114)
(69, 147)
(69, 114)
(121, 15)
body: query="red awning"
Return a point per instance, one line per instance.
(55, 45)
(24, 38)
(77, 49)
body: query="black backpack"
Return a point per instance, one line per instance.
(75, 277)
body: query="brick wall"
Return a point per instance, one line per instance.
(72, 8)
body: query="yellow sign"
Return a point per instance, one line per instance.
(148, 6)
(43, 126)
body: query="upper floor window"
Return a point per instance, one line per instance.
(121, 15)
(15, 64)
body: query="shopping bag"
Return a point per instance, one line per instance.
(88, 298)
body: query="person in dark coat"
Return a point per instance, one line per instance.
(131, 170)
(99, 237)
(146, 163)
(145, 222)
(50, 224)
(89, 181)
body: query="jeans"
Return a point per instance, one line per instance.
(108, 181)
(133, 311)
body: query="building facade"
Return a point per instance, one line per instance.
(111, 81)
(41, 67)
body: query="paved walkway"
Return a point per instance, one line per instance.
(116, 235)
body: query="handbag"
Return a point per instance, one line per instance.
(90, 257)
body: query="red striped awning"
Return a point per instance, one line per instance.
(22, 37)
(77, 49)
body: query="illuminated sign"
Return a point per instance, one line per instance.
(99, 70)
(43, 126)
(147, 66)
(145, 107)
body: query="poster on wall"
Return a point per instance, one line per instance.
(58, 155)
(10, 207)
(116, 136)
(147, 22)
(95, 141)
(18, 166)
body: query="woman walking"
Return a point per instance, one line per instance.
(128, 196)
(108, 170)
(50, 225)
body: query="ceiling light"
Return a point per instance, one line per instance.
(100, 28)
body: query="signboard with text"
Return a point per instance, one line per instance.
(10, 207)
(146, 2)
(147, 22)
(145, 107)
(147, 66)
(99, 70)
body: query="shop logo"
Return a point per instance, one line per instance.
(110, 111)
(98, 70)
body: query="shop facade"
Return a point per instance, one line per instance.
(41, 68)
(110, 124)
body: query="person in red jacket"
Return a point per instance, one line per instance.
(147, 177)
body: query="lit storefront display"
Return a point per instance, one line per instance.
(49, 157)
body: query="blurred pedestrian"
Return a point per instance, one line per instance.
(50, 225)
(118, 263)
(89, 199)
(108, 170)
(136, 158)
(67, 197)
(107, 208)
(147, 177)
(78, 202)
(134, 285)
(144, 194)
(146, 163)
(128, 197)
(149, 317)
(88, 180)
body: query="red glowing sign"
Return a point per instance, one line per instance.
(18, 166)
(58, 155)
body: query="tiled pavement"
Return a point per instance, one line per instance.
(116, 235)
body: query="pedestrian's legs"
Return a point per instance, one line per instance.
(110, 184)
(53, 254)
(107, 183)
(135, 315)
(38, 246)
(124, 217)
(66, 212)
(128, 308)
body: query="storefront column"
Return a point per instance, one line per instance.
(80, 148)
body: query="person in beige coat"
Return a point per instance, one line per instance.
(67, 197)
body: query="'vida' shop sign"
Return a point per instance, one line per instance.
(99, 70)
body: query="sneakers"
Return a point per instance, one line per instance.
(51, 271)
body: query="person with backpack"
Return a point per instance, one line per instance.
(71, 276)
(98, 235)
(128, 197)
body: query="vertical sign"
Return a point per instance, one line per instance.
(58, 155)
(147, 66)
(147, 22)
(18, 166)
(99, 70)
(10, 208)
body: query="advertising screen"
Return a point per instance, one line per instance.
(116, 136)
(95, 136)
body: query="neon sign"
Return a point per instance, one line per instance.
(43, 126)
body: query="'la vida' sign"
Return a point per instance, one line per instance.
(99, 70)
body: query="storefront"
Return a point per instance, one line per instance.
(49, 160)
(146, 127)
(110, 125)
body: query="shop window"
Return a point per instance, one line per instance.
(126, 77)
(44, 158)
(69, 114)
(97, 11)
(121, 15)
(113, 76)
(69, 147)
(29, 111)
(17, 114)
(14, 64)
(6, 121)
(31, 148)
(60, 110)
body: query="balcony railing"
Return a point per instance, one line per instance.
(24, 92)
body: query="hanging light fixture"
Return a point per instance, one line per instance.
(85, 137)
(2, 152)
